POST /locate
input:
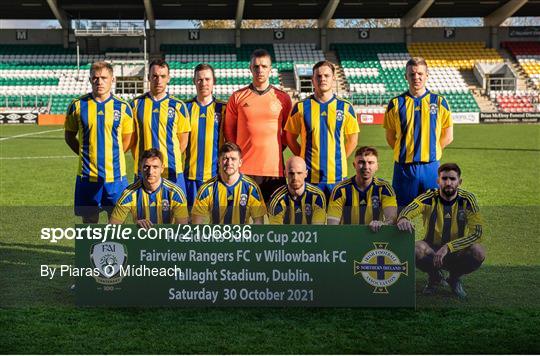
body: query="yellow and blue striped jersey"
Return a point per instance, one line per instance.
(309, 208)
(205, 139)
(323, 127)
(457, 223)
(351, 205)
(158, 124)
(165, 205)
(99, 127)
(418, 123)
(234, 204)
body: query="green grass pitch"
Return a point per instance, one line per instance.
(500, 165)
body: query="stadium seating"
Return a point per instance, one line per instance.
(528, 56)
(512, 102)
(298, 52)
(459, 55)
(230, 63)
(375, 73)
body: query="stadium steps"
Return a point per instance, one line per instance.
(287, 81)
(342, 84)
(523, 82)
(483, 101)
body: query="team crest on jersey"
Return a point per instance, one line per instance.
(243, 199)
(116, 115)
(170, 113)
(308, 210)
(380, 268)
(432, 109)
(375, 202)
(165, 205)
(217, 117)
(339, 115)
(108, 257)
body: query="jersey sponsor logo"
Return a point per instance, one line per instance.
(243, 199)
(116, 115)
(339, 115)
(433, 109)
(380, 268)
(170, 113)
(108, 257)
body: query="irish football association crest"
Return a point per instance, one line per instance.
(107, 257)
(380, 268)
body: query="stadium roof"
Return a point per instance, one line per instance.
(64, 10)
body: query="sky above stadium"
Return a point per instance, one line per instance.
(186, 24)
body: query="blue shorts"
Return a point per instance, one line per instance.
(412, 179)
(326, 188)
(92, 197)
(178, 180)
(192, 187)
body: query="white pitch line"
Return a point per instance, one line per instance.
(39, 157)
(29, 134)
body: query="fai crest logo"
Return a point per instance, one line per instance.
(217, 117)
(243, 199)
(308, 209)
(432, 109)
(339, 115)
(170, 113)
(380, 268)
(107, 257)
(116, 115)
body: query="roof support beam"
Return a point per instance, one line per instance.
(328, 13)
(497, 17)
(239, 13)
(416, 13)
(58, 13)
(149, 10)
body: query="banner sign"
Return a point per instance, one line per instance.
(502, 117)
(18, 118)
(466, 117)
(371, 118)
(234, 265)
(524, 31)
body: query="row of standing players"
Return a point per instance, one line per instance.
(257, 124)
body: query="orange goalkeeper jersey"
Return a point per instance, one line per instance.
(255, 121)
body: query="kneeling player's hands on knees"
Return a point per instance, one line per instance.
(375, 225)
(144, 223)
(439, 256)
(405, 225)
